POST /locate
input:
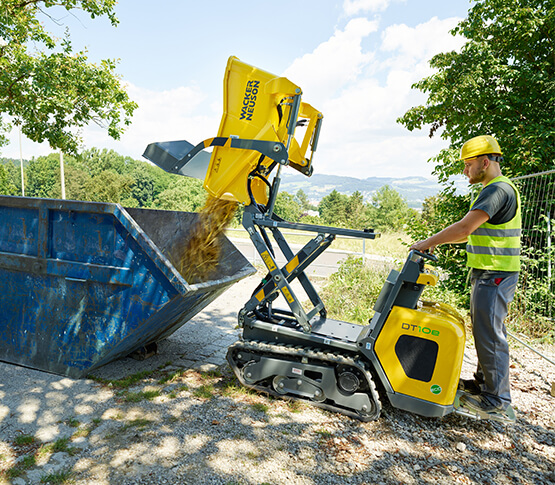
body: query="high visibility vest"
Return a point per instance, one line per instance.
(496, 246)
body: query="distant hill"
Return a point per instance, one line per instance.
(413, 189)
(15, 161)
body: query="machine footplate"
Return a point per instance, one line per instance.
(332, 381)
(507, 417)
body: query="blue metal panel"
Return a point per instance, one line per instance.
(83, 283)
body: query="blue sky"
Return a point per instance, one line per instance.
(354, 59)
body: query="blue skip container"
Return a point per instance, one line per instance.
(85, 283)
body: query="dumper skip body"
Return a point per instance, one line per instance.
(83, 283)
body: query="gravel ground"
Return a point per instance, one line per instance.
(184, 426)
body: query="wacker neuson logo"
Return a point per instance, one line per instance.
(419, 329)
(249, 101)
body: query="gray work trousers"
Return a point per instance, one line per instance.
(489, 305)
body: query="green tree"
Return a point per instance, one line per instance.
(159, 179)
(287, 207)
(96, 161)
(143, 188)
(6, 186)
(355, 211)
(500, 83)
(184, 194)
(46, 87)
(332, 209)
(388, 211)
(303, 201)
(14, 174)
(42, 177)
(77, 180)
(109, 186)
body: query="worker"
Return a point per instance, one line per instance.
(491, 229)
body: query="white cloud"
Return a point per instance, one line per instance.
(353, 7)
(420, 43)
(334, 63)
(362, 93)
(391, 154)
(183, 113)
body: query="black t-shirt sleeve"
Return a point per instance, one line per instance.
(498, 201)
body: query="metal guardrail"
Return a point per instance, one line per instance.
(317, 268)
(362, 253)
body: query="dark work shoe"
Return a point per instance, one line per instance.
(472, 386)
(484, 409)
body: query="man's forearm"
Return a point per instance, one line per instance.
(455, 233)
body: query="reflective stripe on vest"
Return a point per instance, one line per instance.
(496, 246)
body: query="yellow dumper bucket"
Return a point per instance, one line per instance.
(257, 132)
(257, 106)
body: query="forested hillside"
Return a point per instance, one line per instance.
(105, 176)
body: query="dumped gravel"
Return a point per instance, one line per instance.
(184, 426)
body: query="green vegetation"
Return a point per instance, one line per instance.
(352, 291)
(141, 396)
(60, 445)
(58, 478)
(31, 451)
(260, 407)
(26, 463)
(48, 89)
(73, 422)
(532, 310)
(24, 440)
(500, 83)
(170, 377)
(124, 383)
(387, 211)
(205, 391)
(103, 176)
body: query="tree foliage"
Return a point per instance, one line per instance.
(6, 186)
(333, 209)
(388, 211)
(106, 176)
(302, 200)
(183, 193)
(103, 176)
(43, 177)
(502, 83)
(48, 89)
(287, 207)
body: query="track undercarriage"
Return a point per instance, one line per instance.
(326, 379)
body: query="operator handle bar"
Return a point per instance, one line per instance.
(425, 254)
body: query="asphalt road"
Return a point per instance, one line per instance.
(327, 263)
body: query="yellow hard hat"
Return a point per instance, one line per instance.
(481, 145)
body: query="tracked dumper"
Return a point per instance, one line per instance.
(412, 350)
